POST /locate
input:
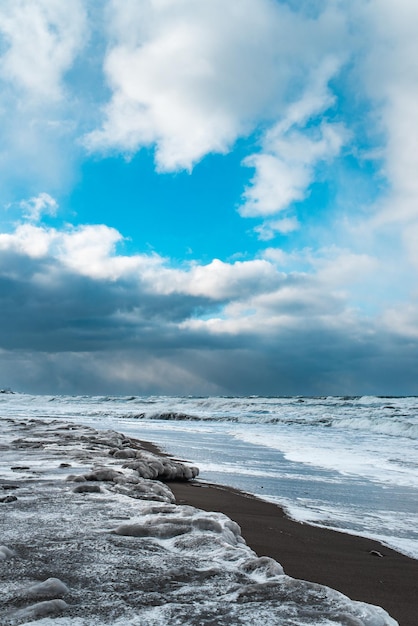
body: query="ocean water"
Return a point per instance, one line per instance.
(348, 463)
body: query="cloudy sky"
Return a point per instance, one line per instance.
(209, 196)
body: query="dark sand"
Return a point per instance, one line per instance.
(343, 562)
(338, 560)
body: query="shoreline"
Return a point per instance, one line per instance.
(348, 563)
(92, 531)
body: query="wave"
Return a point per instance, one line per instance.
(390, 426)
(390, 416)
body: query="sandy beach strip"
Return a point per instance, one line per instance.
(341, 561)
(344, 562)
(92, 533)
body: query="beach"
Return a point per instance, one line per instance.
(350, 564)
(96, 528)
(360, 568)
(99, 528)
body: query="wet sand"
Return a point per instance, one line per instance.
(341, 561)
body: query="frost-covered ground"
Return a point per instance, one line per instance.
(90, 535)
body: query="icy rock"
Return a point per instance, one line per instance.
(163, 530)
(263, 566)
(206, 523)
(104, 474)
(145, 470)
(146, 490)
(151, 466)
(5, 553)
(125, 453)
(159, 509)
(233, 527)
(40, 610)
(50, 588)
(86, 488)
(186, 521)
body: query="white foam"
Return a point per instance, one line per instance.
(368, 456)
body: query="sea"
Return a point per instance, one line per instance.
(346, 463)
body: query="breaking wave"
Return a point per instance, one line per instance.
(394, 417)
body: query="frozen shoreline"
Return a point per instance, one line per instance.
(344, 463)
(110, 547)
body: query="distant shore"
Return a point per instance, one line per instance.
(348, 563)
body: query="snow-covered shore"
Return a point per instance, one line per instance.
(91, 535)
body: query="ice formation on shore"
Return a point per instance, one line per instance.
(94, 537)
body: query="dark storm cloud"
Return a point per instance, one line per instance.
(67, 332)
(45, 306)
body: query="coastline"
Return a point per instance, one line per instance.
(345, 562)
(92, 532)
(340, 561)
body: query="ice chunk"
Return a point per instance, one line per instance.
(125, 453)
(145, 489)
(152, 466)
(5, 553)
(86, 488)
(164, 530)
(50, 588)
(262, 567)
(206, 523)
(104, 473)
(40, 610)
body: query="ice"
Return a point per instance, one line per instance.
(127, 554)
(50, 588)
(87, 489)
(5, 553)
(36, 611)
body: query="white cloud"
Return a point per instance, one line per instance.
(329, 292)
(86, 250)
(27, 240)
(403, 320)
(191, 77)
(40, 41)
(269, 229)
(35, 207)
(227, 281)
(188, 78)
(91, 251)
(411, 243)
(291, 149)
(285, 168)
(389, 77)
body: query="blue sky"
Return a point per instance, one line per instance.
(206, 197)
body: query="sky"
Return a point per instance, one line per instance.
(204, 197)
